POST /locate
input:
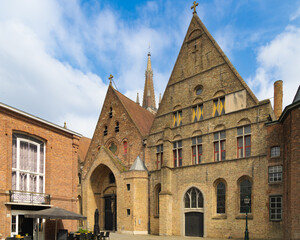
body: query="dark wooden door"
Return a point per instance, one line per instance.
(110, 212)
(194, 224)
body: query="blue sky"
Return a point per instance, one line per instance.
(56, 55)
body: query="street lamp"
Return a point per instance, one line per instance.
(247, 201)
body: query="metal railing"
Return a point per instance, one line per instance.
(29, 197)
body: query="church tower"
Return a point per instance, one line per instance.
(149, 97)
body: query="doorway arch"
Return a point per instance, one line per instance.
(104, 189)
(193, 212)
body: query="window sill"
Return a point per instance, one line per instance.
(275, 183)
(220, 216)
(243, 216)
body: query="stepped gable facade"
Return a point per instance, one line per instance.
(189, 169)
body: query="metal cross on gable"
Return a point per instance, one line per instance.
(110, 78)
(195, 4)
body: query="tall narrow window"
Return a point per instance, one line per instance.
(219, 107)
(117, 127)
(159, 155)
(28, 161)
(177, 118)
(244, 141)
(157, 192)
(276, 208)
(125, 147)
(110, 112)
(177, 153)
(245, 191)
(219, 146)
(221, 197)
(105, 130)
(198, 113)
(197, 150)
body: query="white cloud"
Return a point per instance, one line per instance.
(295, 15)
(278, 60)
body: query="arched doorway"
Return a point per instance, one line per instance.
(104, 189)
(193, 212)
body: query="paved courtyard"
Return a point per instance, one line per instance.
(117, 236)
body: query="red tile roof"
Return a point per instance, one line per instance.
(142, 118)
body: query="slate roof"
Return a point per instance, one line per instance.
(297, 96)
(138, 165)
(141, 117)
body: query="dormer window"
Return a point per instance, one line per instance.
(110, 112)
(105, 131)
(117, 127)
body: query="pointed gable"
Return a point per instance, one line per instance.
(142, 118)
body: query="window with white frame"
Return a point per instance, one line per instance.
(275, 174)
(219, 146)
(244, 141)
(177, 153)
(28, 164)
(275, 151)
(197, 150)
(276, 208)
(159, 155)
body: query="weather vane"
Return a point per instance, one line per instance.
(195, 4)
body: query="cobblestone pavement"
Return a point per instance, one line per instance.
(118, 236)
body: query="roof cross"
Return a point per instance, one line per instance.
(195, 4)
(110, 79)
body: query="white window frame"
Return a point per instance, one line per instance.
(196, 145)
(219, 142)
(276, 152)
(276, 218)
(17, 169)
(176, 149)
(275, 171)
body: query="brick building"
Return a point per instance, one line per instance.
(186, 167)
(39, 167)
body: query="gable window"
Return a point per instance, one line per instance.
(110, 112)
(159, 155)
(117, 127)
(198, 113)
(177, 153)
(275, 151)
(199, 90)
(177, 118)
(125, 147)
(105, 130)
(219, 107)
(193, 198)
(275, 174)
(276, 208)
(245, 191)
(28, 167)
(196, 150)
(221, 197)
(219, 146)
(244, 141)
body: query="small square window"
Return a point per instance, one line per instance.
(128, 187)
(275, 151)
(128, 212)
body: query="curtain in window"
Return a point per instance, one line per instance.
(14, 152)
(41, 158)
(23, 155)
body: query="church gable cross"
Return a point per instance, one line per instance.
(110, 78)
(195, 4)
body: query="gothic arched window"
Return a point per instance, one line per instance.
(221, 197)
(193, 198)
(245, 191)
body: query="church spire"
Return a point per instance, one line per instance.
(149, 97)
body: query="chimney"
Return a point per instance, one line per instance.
(278, 93)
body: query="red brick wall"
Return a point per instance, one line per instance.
(61, 164)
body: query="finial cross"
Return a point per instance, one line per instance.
(195, 4)
(110, 78)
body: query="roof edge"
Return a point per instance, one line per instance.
(15, 110)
